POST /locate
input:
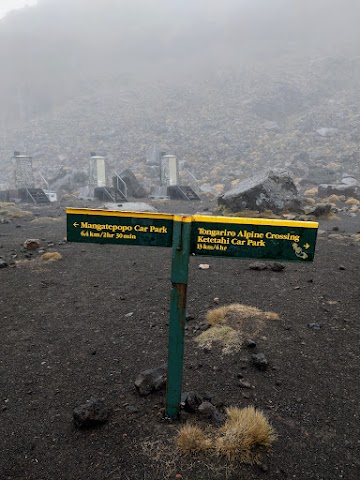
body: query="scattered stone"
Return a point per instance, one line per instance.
(342, 267)
(314, 326)
(32, 244)
(210, 412)
(277, 267)
(250, 343)
(203, 327)
(319, 210)
(128, 315)
(189, 317)
(3, 264)
(348, 180)
(258, 266)
(206, 409)
(244, 384)
(325, 190)
(260, 361)
(92, 413)
(204, 266)
(151, 380)
(190, 401)
(131, 409)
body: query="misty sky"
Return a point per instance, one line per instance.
(7, 5)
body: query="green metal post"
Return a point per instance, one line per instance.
(179, 279)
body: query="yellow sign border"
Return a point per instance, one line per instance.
(118, 213)
(254, 221)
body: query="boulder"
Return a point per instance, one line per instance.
(349, 180)
(319, 210)
(339, 189)
(274, 191)
(151, 380)
(134, 187)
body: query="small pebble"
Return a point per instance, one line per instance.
(244, 384)
(314, 326)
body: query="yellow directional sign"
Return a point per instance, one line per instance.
(109, 226)
(253, 238)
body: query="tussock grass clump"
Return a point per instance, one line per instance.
(310, 201)
(352, 201)
(192, 439)
(311, 192)
(221, 315)
(230, 324)
(224, 335)
(245, 434)
(51, 257)
(330, 216)
(332, 198)
(9, 210)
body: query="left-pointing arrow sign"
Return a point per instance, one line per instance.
(75, 224)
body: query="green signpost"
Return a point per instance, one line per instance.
(199, 235)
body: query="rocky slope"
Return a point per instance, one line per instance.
(226, 108)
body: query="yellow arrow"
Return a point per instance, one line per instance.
(307, 246)
(75, 224)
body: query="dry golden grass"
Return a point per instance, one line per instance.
(10, 210)
(352, 201)
(310, 201)
(330, 216)
(332, 198)
(311, 192)
(356, 237)
(230, 324)
(47, 220)
(246, 433)
(192, 439)
(51, 257)
(221, 315)
(227, 337)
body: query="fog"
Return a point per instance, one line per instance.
(162, 69)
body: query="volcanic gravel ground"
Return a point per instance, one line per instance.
(65, 338)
